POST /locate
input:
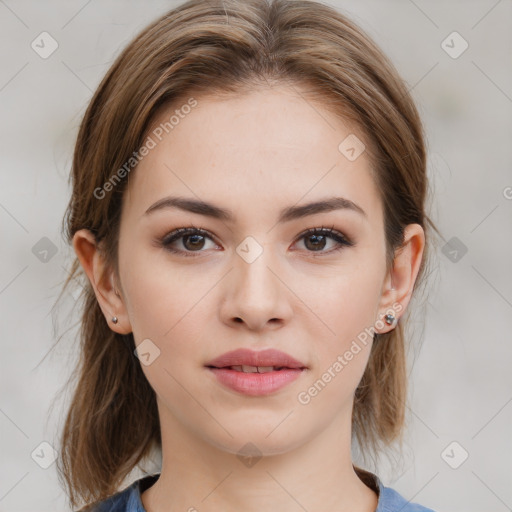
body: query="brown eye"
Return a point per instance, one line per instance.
(193, 242)
(186, 241)
(316, 240)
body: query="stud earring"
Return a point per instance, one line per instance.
(390, 319)
(114, 319)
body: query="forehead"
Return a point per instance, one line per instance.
(270, 145)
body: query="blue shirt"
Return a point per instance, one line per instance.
(129, 500)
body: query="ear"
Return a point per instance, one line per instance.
(102, 280)
(399, 283)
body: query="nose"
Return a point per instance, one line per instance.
(256, 294)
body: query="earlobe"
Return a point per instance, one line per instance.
(399, 284)
(102, 281)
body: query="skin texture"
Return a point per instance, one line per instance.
(254, 154)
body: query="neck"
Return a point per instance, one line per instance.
(316, 476)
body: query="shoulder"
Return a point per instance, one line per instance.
(392, 501)
(389, 500)
(127, 500)
(119, 502)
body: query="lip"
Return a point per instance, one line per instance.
(256, 384)
(267, 357)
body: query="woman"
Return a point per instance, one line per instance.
(248, 206)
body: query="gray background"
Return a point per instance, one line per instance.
(461, 384)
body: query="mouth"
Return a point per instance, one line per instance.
(254, 369)
(256, 373)
(251, 361)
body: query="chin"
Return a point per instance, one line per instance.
(257, 442)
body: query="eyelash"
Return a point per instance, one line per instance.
(192, 230)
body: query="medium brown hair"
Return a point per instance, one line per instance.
(227, 47)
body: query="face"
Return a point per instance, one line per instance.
(254, 278)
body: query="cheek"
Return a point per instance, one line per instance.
(159, 299)
(347, 308)
(347, 303)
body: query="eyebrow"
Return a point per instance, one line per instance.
(286, 215)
